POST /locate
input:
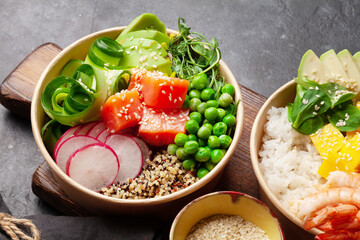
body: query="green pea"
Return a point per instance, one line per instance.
(196, 116)
(194, 102)
(171, 149)
(203, 154)
(209, 165)
(213, 142)
(191, 147)
(192, 137)
(211, 113)
(207, 121)
(181, 139)
(225, 141)
(204, 132)
(229, 120)
(219, 129)
(200, 82)
(208, 148)
(221, 114)
(228, 88)
(216, 155)
(189, 164)
(186, 103)
(207, 94)
(212, 103)
(202, 142)
(201, 108)
(192, 126)
(194, 94)
(181, 154)
(208, 125)
(202, 172)
(225, 100)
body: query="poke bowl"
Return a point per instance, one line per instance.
(303, 172)
(104, 200)
(238, 214)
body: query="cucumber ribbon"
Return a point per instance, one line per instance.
(78, 99)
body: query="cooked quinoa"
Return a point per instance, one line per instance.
(226, 227)
(161, 176)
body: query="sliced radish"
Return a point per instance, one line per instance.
(94, 166)
(144, 149)
(69, 146)
(69, 133)
(129, 155)
(85, 128)
(96, 129)
(103, 135)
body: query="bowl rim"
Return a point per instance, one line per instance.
(149, 201)
(254, 153)
(238, 194)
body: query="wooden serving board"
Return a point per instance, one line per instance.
(16, 93)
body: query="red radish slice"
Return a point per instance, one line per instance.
(103, 135)
(129, 155)
(86, 128)
(144, 149)
(94, 166)
(69, 146)
(69, 133)
(96, 129)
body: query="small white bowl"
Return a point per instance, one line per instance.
(228, 203)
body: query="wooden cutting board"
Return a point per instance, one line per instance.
(16, 93)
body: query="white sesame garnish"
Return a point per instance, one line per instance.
(305, 101)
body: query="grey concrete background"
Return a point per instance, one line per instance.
(261, 41)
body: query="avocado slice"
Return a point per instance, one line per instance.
(148, 34)
(336, 70)
(350, 68)
(144, 22)
(143, 58)
(356, 58)
(144, 43)
(312, 68)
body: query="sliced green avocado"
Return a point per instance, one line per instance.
(336, 70)
(143, 58)
(312, 68)
(145, 43)
(356, 58)
(148, 34)
(350, 68)
(144, 22)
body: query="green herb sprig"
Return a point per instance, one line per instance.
(192, 54)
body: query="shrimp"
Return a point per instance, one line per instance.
(308, 206)
(343, 179)
(352, 224)
(338, 235)
(328, 213)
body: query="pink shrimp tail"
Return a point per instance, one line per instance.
(342, 211)
(338, 235)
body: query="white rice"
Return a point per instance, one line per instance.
(289, 160)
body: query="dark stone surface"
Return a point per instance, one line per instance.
(261, 41)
